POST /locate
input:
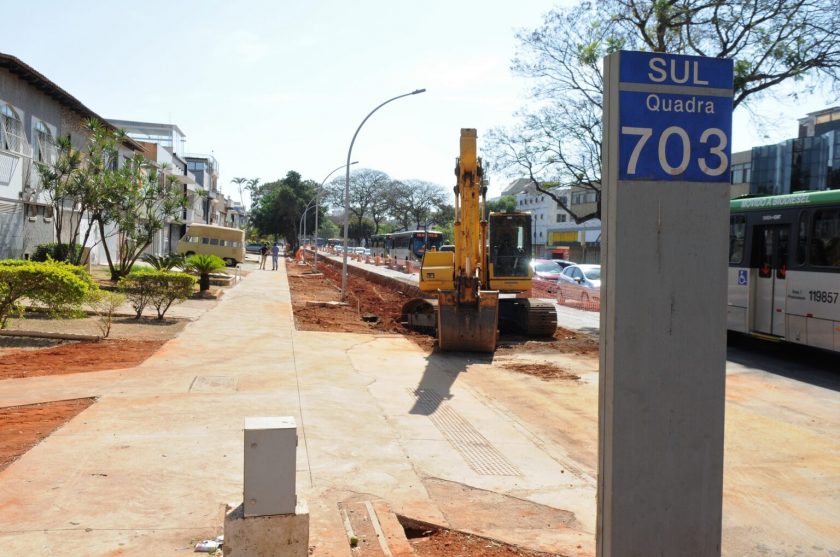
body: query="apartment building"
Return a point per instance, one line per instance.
(555, 234)
(34, 113)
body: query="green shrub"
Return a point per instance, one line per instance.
(203, 265)
(160, 289)
(58, 287)
(57, 252)
(164, 262)
(174, 287)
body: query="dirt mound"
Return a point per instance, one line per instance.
(564, 340)
(544, 370)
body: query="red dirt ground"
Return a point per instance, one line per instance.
(545, 371)
(76, 357)
(448, 543)
(24, 427)
(364, 298)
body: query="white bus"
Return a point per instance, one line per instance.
(784, 268)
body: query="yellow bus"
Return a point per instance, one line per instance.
(227, 243)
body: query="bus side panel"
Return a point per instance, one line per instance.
(814, 294)
(738, 296)
(814, 307)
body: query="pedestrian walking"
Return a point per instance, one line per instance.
(263, 255)
(275, 255)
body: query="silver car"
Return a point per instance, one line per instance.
(580, 282)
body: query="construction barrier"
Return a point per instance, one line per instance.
(571, 296)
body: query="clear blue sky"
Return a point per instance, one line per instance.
(269, 86)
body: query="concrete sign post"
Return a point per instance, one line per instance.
(665, 210)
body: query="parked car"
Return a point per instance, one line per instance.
(253, 248)
(548, 269)
(580, 282)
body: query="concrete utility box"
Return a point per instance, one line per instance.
(270, 449)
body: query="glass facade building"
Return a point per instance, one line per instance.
(809, 162)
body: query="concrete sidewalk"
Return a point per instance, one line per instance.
(148, 469)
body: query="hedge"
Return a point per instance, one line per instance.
(56, 286)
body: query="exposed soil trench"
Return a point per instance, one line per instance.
(384, 306)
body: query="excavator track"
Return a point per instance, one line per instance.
(531, 317)
(541, 318)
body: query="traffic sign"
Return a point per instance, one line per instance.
(675, 117)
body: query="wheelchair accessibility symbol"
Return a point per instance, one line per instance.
(742, 277)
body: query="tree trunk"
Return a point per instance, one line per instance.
(204, 282)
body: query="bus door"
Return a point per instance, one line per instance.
(770, 257)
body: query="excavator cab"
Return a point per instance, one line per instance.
(509, 251)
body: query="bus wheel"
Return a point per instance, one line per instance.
(190, 253)
(230, 262)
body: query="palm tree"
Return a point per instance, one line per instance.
(204, 265)
(253, 184)
(239, 182)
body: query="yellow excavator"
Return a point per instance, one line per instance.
(483, 285)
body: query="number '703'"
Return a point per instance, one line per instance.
(718, 164)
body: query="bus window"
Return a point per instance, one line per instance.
(214, 241)
(205, 240)
(802, 240)
(737, 228)
(825, 241)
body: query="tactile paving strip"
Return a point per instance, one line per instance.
(479, 453)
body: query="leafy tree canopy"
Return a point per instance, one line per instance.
(559, 137)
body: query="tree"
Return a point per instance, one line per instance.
(771, 42)
(366, 196)
(412, 202)
(138, 200)
(504, 204)
(328, 229)
(241, 186)
(279, 205)
(75, 183)
(133, 200)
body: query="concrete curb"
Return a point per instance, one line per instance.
(57, 336)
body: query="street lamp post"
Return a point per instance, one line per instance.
(347, 190)
(317, 194)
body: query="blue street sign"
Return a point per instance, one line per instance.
(675, 117)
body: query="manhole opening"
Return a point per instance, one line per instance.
(415, 529)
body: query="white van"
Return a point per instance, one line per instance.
(227, 243)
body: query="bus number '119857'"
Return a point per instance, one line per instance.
(823, 296)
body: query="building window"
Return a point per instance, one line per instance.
(561, 217)
(11, 129)
(43, 142)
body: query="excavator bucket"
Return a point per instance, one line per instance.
(468, 327)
